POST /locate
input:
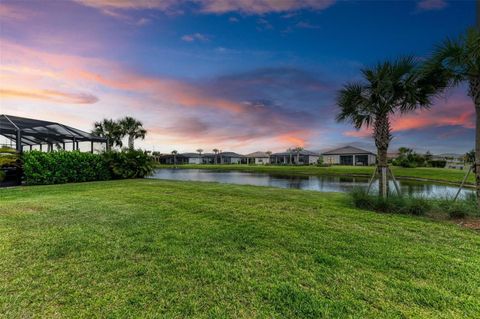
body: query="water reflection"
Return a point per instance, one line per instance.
(315, 183)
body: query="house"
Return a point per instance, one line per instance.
(303, 157)
(349, 155)
(230, 158)
(454, 161)
(258, 158)
(190, 158)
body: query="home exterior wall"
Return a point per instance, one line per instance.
(331, 159)
(312, 159)
(262, 160)
(335, 159)
(194, 160)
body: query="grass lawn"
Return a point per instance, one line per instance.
(151, 248)
(427, 173)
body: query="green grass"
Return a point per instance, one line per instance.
(426, 173)
(150, 248)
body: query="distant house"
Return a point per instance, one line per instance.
(230, 158)
(258, 158)
(349, 155)
(190, 158)
(454, 161)
(301, 158)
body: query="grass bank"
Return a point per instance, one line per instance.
(421, 173)
(150, 248)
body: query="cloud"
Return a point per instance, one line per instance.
(426, 5)
(210, 6)
(234, 109)
(233, 20)
(261, 6)
(49, 95)
(306, 25)
(195, 37)
(455, 111)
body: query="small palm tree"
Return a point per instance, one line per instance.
(133, 129)
(174, 153)
(388, 88)
(109, 129)
(215, 151)
(459, 61)
(290, 151)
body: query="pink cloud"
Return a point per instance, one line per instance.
(431, 5)
(195, 37)
(34, 75)
(457, 110)
(210, 6)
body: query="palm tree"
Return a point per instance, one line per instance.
(200, 151)
(298, 150)
(133, 129)
(110, 130)
(215, 151)
(269, 153)
(174, 153)
(289, 151)
(459, 61)
(387, 89)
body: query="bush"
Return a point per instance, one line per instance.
(393, 204)
(438, 163)
(459, 208)
(64, 167)
(129, 164)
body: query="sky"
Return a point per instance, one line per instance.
(236, 75)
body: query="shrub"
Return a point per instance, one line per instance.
(392, 204)
(459, 208)
(129, 164)
(64, 167)
(438, 163)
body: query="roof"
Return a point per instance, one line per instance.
(230, 154)
(301, 153)
(258, 154)
(347, 150)
(190, 155)
(35, 132)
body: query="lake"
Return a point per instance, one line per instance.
(313, 183)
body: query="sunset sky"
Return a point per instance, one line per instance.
(238, 75)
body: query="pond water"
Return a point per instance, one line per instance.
(314, 183)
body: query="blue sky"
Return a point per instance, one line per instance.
(243, 75)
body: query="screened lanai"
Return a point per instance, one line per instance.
(28, 134)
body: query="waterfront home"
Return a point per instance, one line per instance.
(258, 158)
(303, 157)
(349, 155)
(230, 158)
(454, 161)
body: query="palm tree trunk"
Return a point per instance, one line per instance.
(475, 94)
(382, 141)
(130, 142)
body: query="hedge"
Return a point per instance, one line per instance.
(64, 167)
(71, 167)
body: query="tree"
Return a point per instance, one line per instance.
(109, 129)
(297, 150)
(133, 129)
(459, 61)
(391, 87)
(215, 151)
(200, 151)
(174, 153)
(290, 151)
(469, 157)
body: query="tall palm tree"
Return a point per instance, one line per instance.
(297, 151)
(459, 61)
(388, 88)
(290, 151)
(215, 151)
(174, 153)
(200, 151)
(133, 129)
(109, 129)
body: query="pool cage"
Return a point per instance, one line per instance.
(30, 133)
